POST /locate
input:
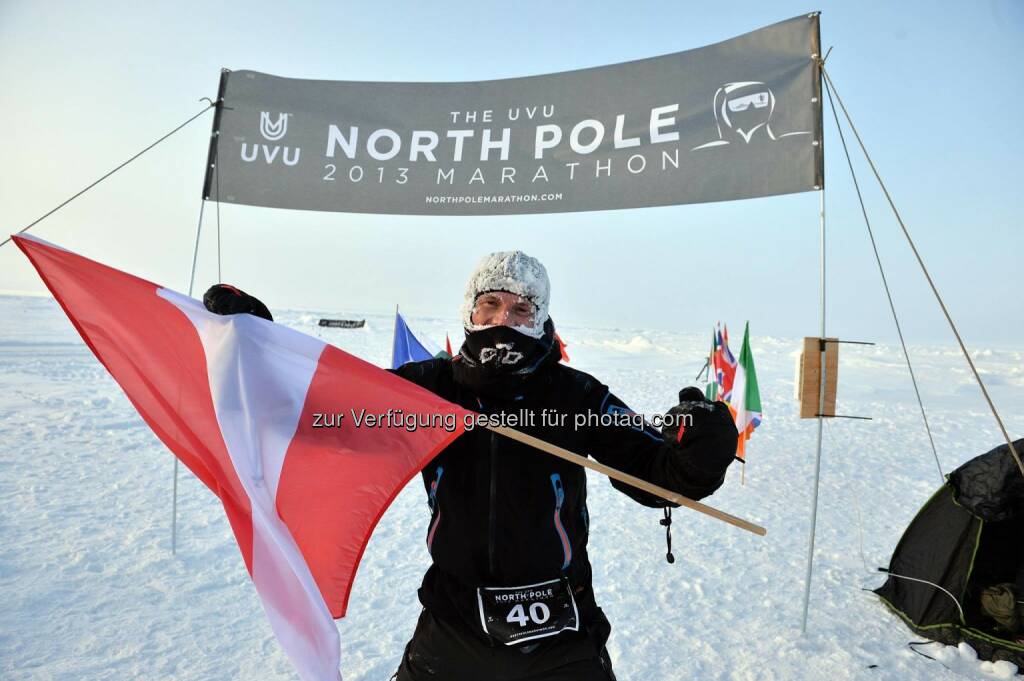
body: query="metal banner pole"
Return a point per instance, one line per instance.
(821, 411)
(208, 177)
(191, 284)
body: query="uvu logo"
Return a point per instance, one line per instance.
(272, 131)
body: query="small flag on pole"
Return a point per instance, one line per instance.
(408, 347)
(561, 348)
(711, 383)
(725, 365)
(746, 398)
(711, 387)
(721, 367)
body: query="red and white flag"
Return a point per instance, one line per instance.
(234, 398)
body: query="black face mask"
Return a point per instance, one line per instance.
(498, 361)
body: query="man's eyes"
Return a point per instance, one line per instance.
(494, 303)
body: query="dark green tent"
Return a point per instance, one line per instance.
(969, 535)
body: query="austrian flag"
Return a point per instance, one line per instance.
(234, 399)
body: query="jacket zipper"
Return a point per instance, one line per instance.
(556, 482)
(434, 508)
(492, 524)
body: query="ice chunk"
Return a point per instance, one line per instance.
(966, 651)
(1004, 669)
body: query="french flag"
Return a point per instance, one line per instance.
(236, 399)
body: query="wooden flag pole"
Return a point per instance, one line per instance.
(627, 478)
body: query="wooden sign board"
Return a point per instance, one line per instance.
(808, 380)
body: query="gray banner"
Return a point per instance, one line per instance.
(734, 120)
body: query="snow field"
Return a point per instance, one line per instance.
(90, 590)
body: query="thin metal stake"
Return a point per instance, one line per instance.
(174, 512)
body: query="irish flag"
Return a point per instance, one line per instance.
(746, 398)
(244, 403)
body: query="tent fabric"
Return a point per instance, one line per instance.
(938, 547)
(964, 538)
(991, 486)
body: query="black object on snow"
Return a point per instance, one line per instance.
(968, 536)
(225, 299)
(343, 323)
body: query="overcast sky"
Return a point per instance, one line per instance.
(935, 88)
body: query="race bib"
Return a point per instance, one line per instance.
(514, 614)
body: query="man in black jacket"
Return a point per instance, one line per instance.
(508, 596)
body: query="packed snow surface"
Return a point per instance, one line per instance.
(89, 588)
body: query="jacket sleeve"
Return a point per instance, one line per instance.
(695, 470)
(425, 373)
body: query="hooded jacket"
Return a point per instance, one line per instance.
(505, 514)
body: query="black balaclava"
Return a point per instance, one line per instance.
(498, 361)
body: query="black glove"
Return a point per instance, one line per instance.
(707, 427)
(225, 299)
